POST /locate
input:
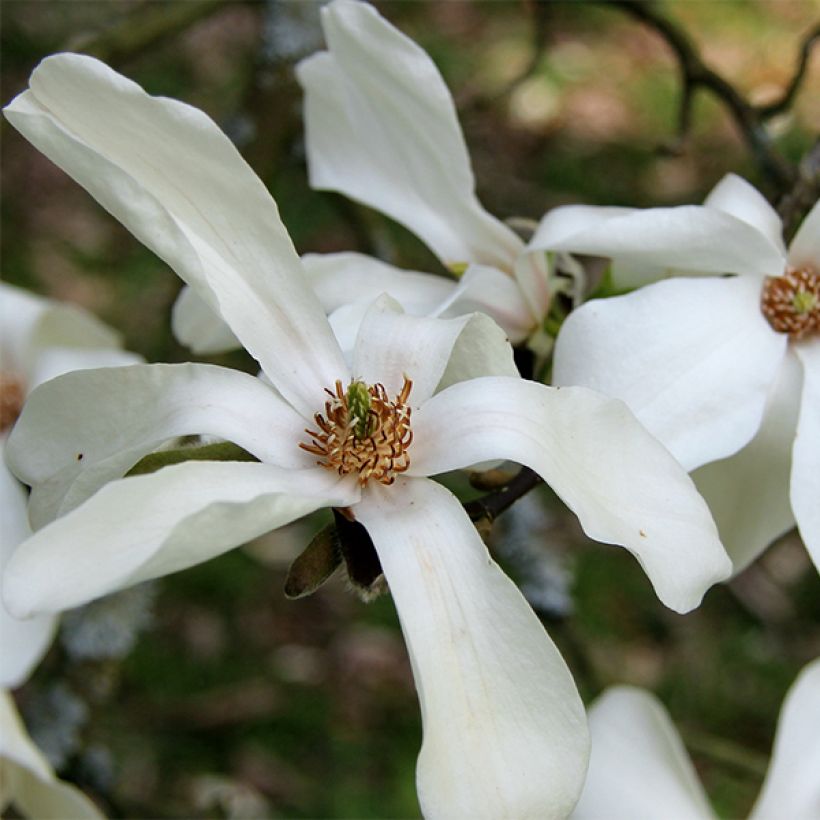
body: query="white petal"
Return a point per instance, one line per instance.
(504, 728)
(22, 643)
(147, 526)
(735, 196)
(792, 787)
(28, 782)
(748, 493)
(805, 248)
(621, 483)
(689, 238)
(179, 185)
(488, 290)
(198, 326)
(55, 361)
(30, 324)
(346, 278)
(85, 428)
(382, 129)
(559, 225)
(805, 478)
(638, 769)
(431, 352)
(693, 358)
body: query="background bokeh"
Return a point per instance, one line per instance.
(236, 702)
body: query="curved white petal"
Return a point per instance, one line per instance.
(504, 728)
(559, 225)
(28, 782)
(22, 643)
(199, 327)
(805, 478)
(622, 484)
(748, 493)
(804, 250)
(147, 526)
(382, 129)
(340, 279)
(167, 172)
(689, 238)
(638, 767)
(693, 358)
(55, 361)
(487, 290)
(735, 196)
(85, 428)
(30, 325)
(433, 353)
(792, 787)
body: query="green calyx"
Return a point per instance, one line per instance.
(358, 407)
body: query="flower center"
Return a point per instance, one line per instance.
(12, 396)
(791, 302)
(362, 431)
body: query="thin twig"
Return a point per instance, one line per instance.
(787, 98)
(696, 74)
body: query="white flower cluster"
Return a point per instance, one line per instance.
(376, 379)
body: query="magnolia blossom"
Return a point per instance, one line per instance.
(724, 370)
(27, 781)
(639, 769)
(504, 729)
(39, 339)
(382, 129)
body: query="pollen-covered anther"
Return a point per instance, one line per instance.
(791, 302)
(12, 396)
(362, 431)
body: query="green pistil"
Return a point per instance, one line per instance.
(458, 268)
(804, 301)
(358, 406)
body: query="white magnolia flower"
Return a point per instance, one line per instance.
(639, 769)
(724, 370)
(39, 339)
(27, 781)
(382, 129)
(504, 731)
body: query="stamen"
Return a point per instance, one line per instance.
(362, 431)
(12, 396)
(791, 302)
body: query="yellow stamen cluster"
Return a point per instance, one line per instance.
(791, 302)
(362, 431)
(12, 396)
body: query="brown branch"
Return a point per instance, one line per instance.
(787, 98)
(491, 505)
(696, 74)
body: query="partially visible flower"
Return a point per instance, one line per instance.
(724, 370)
(504, 732)
(639, 769)
(27, 781)
(39, 339)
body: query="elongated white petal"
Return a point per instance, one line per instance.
(559, 225)
(30, 325)
(28, 782)
(689, 238)
(488, 290)
(178, 184)
(504, 728)
(382, 129)
(147, 526)
(622, 484)
(735, 196)
(748, 493)
(345, 278)
(693, 358)
(22, 643)
(805, 479)
(792, 787)
(805, 248)
(83, 429)
(431, 352)
(638, 768)
(198, 326)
